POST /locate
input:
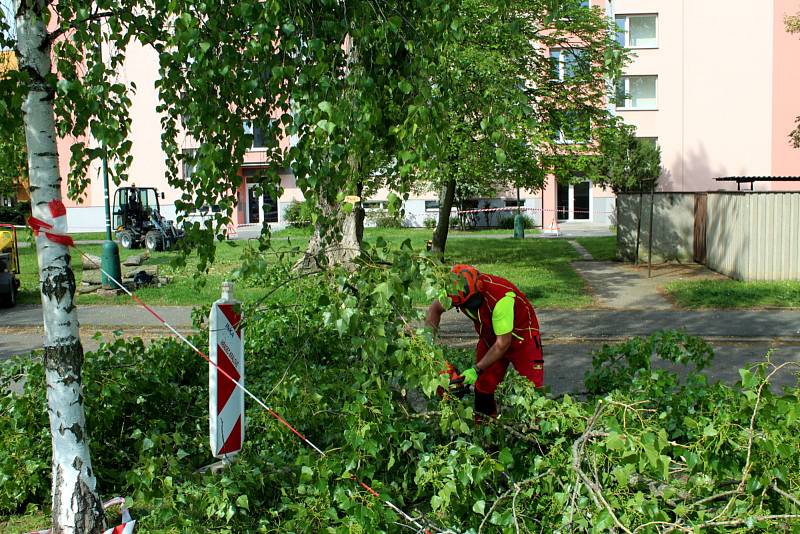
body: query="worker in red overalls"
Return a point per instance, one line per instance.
(507, 328)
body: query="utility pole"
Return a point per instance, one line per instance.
(109, 258)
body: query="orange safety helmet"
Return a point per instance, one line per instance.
(468, 276)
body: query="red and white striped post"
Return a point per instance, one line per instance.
(226, 350)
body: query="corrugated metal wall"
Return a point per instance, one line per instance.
(754, 236)
(775, 233)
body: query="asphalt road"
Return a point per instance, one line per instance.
(740, 338)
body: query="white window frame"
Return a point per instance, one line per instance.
(571, 204)
(562, 138)
(626, 79)
(375, 205)
(627, 30)
(562, 64)
(249, 128)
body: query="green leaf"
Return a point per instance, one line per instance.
(748, 379)
(615, 441)
(405, 86)
(326, 107)
(506, 458)
(500, 155)
(306, 473)
(479, 507)
(242, 502)
(326, 126)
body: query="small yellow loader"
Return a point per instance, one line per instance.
(9, 265)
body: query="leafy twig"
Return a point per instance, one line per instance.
(754, 518)
(788, 496)
(594, 490)
(517, 488)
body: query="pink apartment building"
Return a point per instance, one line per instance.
(714, 82)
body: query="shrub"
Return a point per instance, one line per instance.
(336, 355)
(15, 214)
(298, 214)
(507, 223)
(429, 222)
(383, 219)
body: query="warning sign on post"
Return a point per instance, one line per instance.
(226, 350)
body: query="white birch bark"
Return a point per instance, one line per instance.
(76, 507)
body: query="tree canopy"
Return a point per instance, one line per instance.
(527, 80)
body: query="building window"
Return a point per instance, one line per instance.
(637, 31)
(513, 203)
(258, 133)
(572, 126)
(431, 205)
(189, 162)
(375, 205)
(567, 64)
(636, 92)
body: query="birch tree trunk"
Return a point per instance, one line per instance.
(76, 506)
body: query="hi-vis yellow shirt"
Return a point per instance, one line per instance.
(502, 315)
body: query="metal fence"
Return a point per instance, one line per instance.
(745, 235)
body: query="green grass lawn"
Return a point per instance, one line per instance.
(540, 268)
(729, 294)
(601, 248)
(20, 524)
(25, 235)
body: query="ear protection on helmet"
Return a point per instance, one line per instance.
(469, 283)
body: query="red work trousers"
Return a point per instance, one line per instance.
(526, 357)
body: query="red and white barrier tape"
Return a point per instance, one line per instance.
(59, 237)
(523, 208)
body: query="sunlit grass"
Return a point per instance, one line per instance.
(722, 294)
(539, 267)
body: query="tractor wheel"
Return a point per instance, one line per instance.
(153, 241)
(126, 239)
(8, 290)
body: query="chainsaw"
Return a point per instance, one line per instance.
(457, 388)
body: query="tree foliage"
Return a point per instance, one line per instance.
(12, 136)
(526, 81)
(647, 451)
(624, 162)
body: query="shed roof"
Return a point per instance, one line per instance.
(753, 179)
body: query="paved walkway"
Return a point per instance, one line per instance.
(740, 337)
(616, 324)
(109, 316)
(624, 286)
(585, 254)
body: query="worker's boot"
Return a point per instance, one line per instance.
(485, 407)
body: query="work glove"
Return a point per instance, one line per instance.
(470, 376)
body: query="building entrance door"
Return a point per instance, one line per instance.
(260, 208)
(574, 202)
